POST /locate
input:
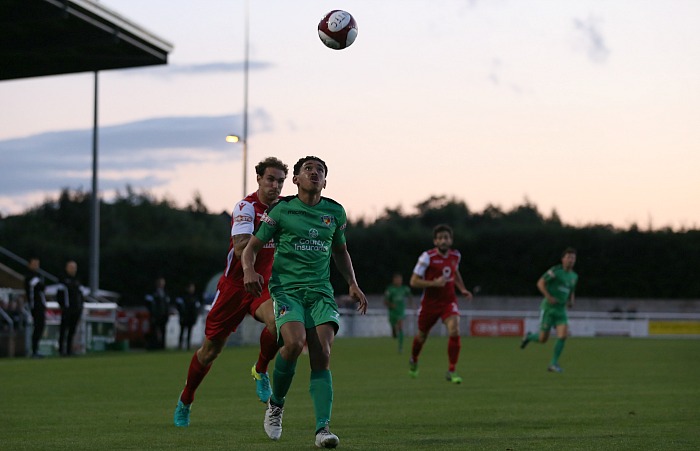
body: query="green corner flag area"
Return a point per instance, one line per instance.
(615, 394)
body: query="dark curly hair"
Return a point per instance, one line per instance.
(442, 228)
(300, 163)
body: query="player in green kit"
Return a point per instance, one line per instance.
(308, 229)
(395, 297)
(558, 286)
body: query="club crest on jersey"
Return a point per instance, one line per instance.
(327, 220)
(268, 220)
(282, 310)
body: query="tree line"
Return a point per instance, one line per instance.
(503, 252)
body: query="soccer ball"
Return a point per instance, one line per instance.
(337, 29)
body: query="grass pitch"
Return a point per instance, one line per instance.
(615, 393)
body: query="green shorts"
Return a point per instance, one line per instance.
(552, 317)
(396, 316)
(311, 307)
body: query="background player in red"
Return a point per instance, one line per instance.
(232, 302)
(437, 273)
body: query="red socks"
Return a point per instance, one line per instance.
(415, 349)
(454, 344)
(268, 350)
(195, 375)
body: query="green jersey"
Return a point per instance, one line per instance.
(304, 236)
(560, 284)
(397, 296)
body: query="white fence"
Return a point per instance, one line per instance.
(507, 317)
(506, 323)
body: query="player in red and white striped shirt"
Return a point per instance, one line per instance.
(437, 273)
(232, 302)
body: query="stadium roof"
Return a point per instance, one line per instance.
(51, 37)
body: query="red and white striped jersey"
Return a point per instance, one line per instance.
(431, 265)
(245, 219)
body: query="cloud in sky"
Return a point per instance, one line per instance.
(592, 38)
(174, 69)
(136, 153)
(496, 78)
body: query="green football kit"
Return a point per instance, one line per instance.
(397, 297)
(560, 284)
(300, 282)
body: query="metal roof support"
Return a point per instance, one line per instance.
(95, 203)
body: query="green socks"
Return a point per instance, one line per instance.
(558, 347)
(282, 379)
(321, 390)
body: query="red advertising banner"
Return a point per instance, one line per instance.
(489, 327)
(132, 325)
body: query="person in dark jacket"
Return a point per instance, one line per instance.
(158, 305)
(70, 298)
(188, 306)
(34, 287)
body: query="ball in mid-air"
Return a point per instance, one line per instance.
(337, 29)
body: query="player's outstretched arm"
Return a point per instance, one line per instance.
(252, 281)
(343, 262)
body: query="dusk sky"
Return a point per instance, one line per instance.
(589, 108)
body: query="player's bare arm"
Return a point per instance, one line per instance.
(459, 283)
(252, 281)
(545, 292)
(239, 243)
(357, 294)
(343, 262)
(419, 282)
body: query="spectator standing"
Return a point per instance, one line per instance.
(70, 299)
(158, 305)
(188, 307)
(34, 286)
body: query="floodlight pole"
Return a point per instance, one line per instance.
(245, 99)
(94, 206)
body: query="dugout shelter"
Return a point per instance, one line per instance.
(53, 37)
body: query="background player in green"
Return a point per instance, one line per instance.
(558, 285)
(395, 297)
(308, 230)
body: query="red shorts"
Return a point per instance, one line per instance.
(428, 315)
(231, 303)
